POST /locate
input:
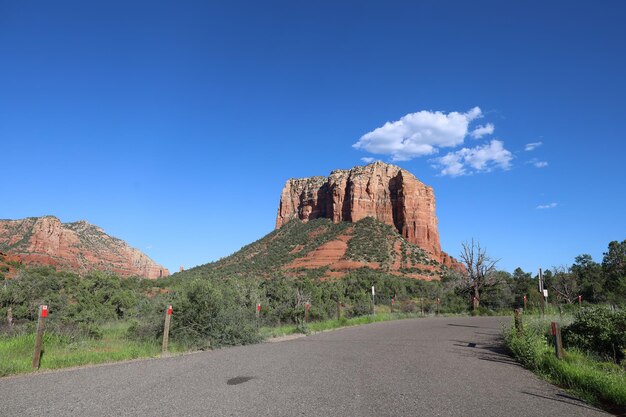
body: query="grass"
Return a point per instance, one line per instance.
(16, 352)
(319, 326)
(600, 383)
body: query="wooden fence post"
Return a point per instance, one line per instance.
(43, 313)
(10, 316)
(391, 302)
(438, 303)
(542, 293)
(519, 325)
(166, 329)
(558, 341)
(338, 310)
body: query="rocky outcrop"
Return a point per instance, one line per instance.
(385, 192)
(79, 247)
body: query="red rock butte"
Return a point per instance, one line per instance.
(79, 247)
(385, 192)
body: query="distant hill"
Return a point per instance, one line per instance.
(379, 217)
(80, 247)
(323, 249)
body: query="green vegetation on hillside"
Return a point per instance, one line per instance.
(372, 241)
(266, 256)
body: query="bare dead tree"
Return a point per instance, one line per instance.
(565, 285)
(480, 267)
(301, 297)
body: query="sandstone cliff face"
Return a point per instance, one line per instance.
(79, 246)
(385, 192)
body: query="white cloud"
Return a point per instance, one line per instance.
(532, 146)
(483, 158)
(481, 131)
(546, 206)
(537, 163)
(368, 160)
(418, 134)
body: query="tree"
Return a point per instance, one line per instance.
(523, 284)
(480, 268)
(590, 278)
(565, 285)
(614, 268)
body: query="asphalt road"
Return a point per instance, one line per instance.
(423, 367)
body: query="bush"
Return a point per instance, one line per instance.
(145, 329)
(212, 314)
(528, 347)
(598, 331)
(361, 307)
(408, 307)
(303, 328)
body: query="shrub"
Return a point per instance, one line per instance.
(212, 314)
(598, 331)
(303, 328)
(528, 347)
(408, 307)
(361, 307)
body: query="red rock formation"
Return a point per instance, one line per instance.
(79, 247)
(385, 192)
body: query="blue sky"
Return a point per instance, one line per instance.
(174, 125)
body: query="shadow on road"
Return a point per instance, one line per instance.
(463, 325)
(567, 399)
(493, 352)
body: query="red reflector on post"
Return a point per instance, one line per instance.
(553, 328)
(44, 311)
(169, 310)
